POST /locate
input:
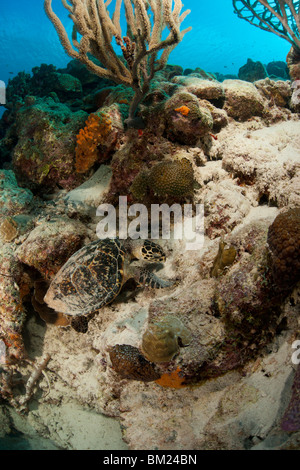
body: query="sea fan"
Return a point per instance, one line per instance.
(281, 17)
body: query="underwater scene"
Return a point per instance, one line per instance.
(150, 226)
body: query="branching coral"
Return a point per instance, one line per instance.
(281, 17)
(96, 129)
(146, 22)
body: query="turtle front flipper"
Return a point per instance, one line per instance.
(146, 278)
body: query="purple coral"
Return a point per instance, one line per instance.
(291, 418)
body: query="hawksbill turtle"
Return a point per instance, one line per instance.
(94, 276)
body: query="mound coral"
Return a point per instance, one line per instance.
(128, 362)
(284, 243)
(187, 118)
(88, 139)
(168, 178)
(162, 339)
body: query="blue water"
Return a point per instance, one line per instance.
(219, 41)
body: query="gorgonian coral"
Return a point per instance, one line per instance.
(284, 243)
(88, 140)
(147, 25)
(281, 17)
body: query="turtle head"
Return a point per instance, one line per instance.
(147, 250)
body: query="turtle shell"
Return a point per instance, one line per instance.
(90, 279)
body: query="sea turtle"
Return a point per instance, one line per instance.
(94, 275)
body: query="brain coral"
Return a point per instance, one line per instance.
(128, 362)
(284, 243)
(172, 178)
(167, 178)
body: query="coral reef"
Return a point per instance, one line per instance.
(242, 100)
(188, 127)
(213, 351)
(252, 71)
(284, 243)
(139, 48)
(13, 199)
(44, 154)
